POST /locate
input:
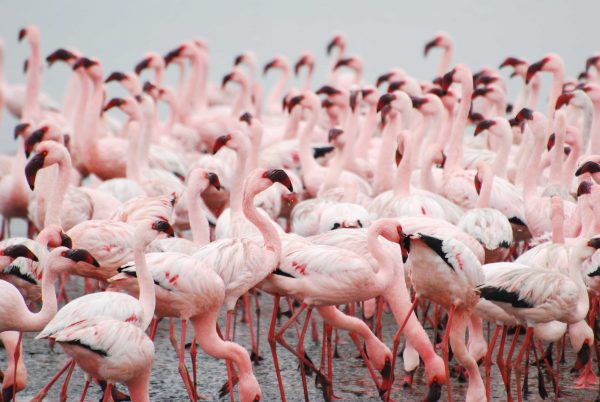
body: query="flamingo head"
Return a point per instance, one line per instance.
(585, 187)
(338, 41)
(564, 99)
(418, 102)
(33, 166)
(65, 55)
(79, 255)
(278, 176)
(34, 138)
(551, 62)
(18, 250)
(31, 32)
(221, 142)
(22, 130)
(278, 61)
(152, 60)
(213, 180)
(592, 62)
(308, 60)
(163, 226)
(441, 39)
(484, 125)
(334, 134)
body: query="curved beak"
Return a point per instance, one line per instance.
(34, 138)
(19, 250)
(269, 65)
(22, 34)
(81, 255)
(280, 176)
(142, 65)
(342, 62)
(588, 167)
(59, 54)
(115, 76)
(164, 227)
(293, 102)
(247, 118)
(214, 181)
(395, 86)
(524, 114)
(333, 43)
(482, 126)
(480, 92)
(20, 129)
(238, 60)
(334, 133)
(383, 78)
(430, 45)
(533, 69)
(221, 142)
(83, 62)
(564, 99)
(226, 79)
(33, 166)
(65, 240)
(418, 102)
(328, 90)
(447, 80)
(173, 54)
(114, 102)
(385, 100)
(591, 62)
(302, 62)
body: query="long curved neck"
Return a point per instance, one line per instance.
(198, 221)
(307, 79)
(91, 122)
(237, 192)
(31, 109)
(586, 216)
(486, 190)
(146, 283)
(556, 165)
(335, 169)
(307, 160)
(533, 168)
(455, 153)
(143, 144)
(292, 124)
(201, 95)
(133, 133)
(274, 97)
(501, 160)
(387, 152)
(366, 131)
(570, 164)
(190, 87)
(54, 209)
(34, 322)
(445, 61)
(426, 176)
(403, 173)
(242, 100)
(272, 242)
(256, 132)
(595, 133)
(557, 84)
(79, 136)
(70, 99)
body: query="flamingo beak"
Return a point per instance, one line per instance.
(512, 62)
(114, 102)
(334, 43)
(328, 90)
(302, 62)
(588, 167)
(435, 392)
(447, 80)
(334, 133)
(551, 141)
(214, 181)
(483, 125)
(226, 79)
(59, 54)
(383, 78)
(116, 76)
(418, 102)
(65, 240)
(533, 69)
(595, 243)
(18, 250)
(430, 45)
(279, 176)
(22, 34)
(585, 187)
(221, 142)
(20, 129)
(247, 118)
(564, 99)
(342, 62)
(33, 139)
(81, 255)
(353, 100)
(385, 100)
(293, 102)
(270, 65)
(591, 62)
(142, 65)
(238, 60)
(524, 114)
(164, 227)
(172, 55)
(33, 166)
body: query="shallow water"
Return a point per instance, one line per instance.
(352, 381)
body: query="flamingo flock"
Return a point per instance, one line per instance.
(442, 202)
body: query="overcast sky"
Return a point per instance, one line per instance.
(385, 33)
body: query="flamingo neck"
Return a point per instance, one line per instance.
(570, 164)
(256, 139)
(159, 73)
(292, 124)
(36, 321)
(335, 169)
(79, 136)
(556, 165)
(595, 130)
(70, 99)
(455, 153)
(533, 168)
(181, 84)
(145, 282)
(445, 61)
(201, 95)
(198, 221)
(307, 160)
(237, 193)
(404, 171)
(586, 215)
(366, 131)
(426, 175)
(387, 153)
(483, 201)
(54, 209)
(133, 132)
(272, 242)
(275, 95)
(31, 109)
(307, 80)
(188, 90)
(501, 160)
(242, 100)
(534, 93)
(557, 85)
(91, 122)
(385, 258)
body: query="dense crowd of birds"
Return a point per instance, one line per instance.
(438, 201)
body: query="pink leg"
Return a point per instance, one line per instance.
(378, 318)
(273, 346)
(257, 356)
(500, 357)
(193, 354)
(85, 390)
(182, 368)
(518, 361)
(488, 362)
(509, 362)
(445, 352)
(44, 391)
(300, 348)
(65, 386)
(17, 357)
(228, 362)
(107, 393)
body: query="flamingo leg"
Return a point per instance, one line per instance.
(107, 393)
(17, 357)
(248, 314)
(518, 361)
(257, 354)
(385, 386)
(541, 385)
(185, 375)
(65, 386)
(500, 356)
(85, 390)
(323, 349)
(44, 391)
(445, 351)
(548, 368)
(488, 362)
(509, 363)
(396, 343)
(273, 346)
(378, 318)
(228, 362)
(153, 328)
(526, 376)
(193, 356)
(300, 348)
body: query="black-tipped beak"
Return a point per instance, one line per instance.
(447, 80)
(221, 142)
(65, 240)
(533, 69)
(588, 167)
(226, 79)
(477, 182)
(353, 100)
(238, 60)
(435, 392)
(564, 99)
(481, 92)
(302, 62)
(19, 250)
(20, 129)
(595, 242)
(81, 255)
(551, 141)
(172, 55)
(142, 65)
(59, 54)
(293, 102)
(165, 227)
(585, 187)
(334, 133)
(524, 114)
(483, 125)
(269, 65)
(34, 138)
(328, 90)
(395, 86)
(430, 45)
(342, 62)
(114, 102)
(83, 62)
(33, 166)
(383, 78)
(247, 118)
(511, 61)
(418, 102)
(279, 176)
(591, 62)
(22, 34)
(385, 100)
(214, 181)
(116, 76)
(333, 43)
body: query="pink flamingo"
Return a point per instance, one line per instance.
(444, 41)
